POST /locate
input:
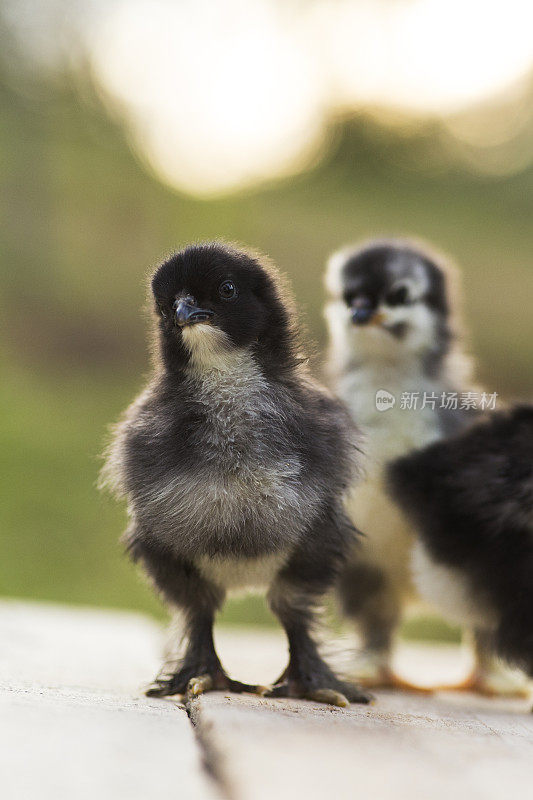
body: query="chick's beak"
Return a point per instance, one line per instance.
(362, 309)
(186, 312)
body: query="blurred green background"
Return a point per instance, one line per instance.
(85, 219)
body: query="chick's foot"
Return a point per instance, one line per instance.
(386, 678)
(492, 683)
(331, 691)
(192, 682)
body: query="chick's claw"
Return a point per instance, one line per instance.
(385, 678)
(239, 688)
(356, 694)
(169, 685)
(199, 685)
(192, 685)
(491, 683)
(330, 697)
(340, 696)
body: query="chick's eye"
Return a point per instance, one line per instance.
(227, 290)
(398, 296)
(358, 299)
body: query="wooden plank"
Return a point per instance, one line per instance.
(404, 746)
(428, 748)
(74, 723)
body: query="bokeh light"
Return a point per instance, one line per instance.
(219, 95)
(225, 94)
(228, 93)
(132, 128)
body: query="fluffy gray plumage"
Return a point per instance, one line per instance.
(234, 464)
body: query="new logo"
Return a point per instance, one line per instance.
(384, 400)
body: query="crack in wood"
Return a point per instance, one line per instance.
(212, 759)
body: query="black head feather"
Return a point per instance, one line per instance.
(241, 290)
(396, 278)
(380, 270)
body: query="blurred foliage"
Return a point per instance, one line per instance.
(84, 221)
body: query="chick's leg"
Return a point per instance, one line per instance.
(307, 675)
(369, 598)
(489, 677)
(199, 669)
(298, 587)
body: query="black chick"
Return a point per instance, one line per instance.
(234, 464)
(471, 499)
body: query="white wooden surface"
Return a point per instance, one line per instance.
(74, 724)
